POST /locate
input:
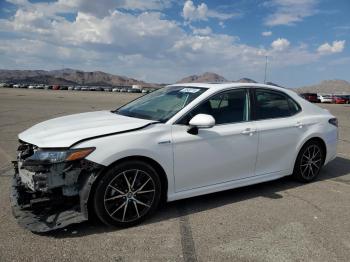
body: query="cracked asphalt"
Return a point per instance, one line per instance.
(280, 220)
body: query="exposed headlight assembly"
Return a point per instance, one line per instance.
(58, 156)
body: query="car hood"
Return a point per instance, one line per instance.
(68, 130)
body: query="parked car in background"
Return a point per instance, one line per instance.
(311, 97)
(134, 90)
(70, 87)
(180, 141)
(7, 85)
(77, 88)
(340, 100)
(347, 97)
(325, 98)
(55, 87)
(115, 89)
(95, 88)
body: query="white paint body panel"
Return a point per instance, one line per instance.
(277, 144)
(216, 155)
(216, 159)
(67, 130)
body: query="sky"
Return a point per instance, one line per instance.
(305, 41)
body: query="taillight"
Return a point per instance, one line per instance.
(333, 121)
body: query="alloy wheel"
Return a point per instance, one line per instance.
(129, 195)
(311, 162)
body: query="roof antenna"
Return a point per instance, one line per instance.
(265, 70)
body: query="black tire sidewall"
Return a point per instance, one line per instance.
(297, 172)
(98, 197)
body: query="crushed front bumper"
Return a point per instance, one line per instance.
(46, 211)
(42, 219)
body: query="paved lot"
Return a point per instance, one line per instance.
(276, 221)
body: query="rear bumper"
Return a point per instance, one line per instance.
(331, 140)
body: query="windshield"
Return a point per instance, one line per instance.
(162, 104)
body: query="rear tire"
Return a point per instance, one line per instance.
(309, 162)
(127, 194)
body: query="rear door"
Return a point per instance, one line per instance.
(279, 128)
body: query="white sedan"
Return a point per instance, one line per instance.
(180, 141)
(325, 98)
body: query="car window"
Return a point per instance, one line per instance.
(294, 107)
(227, 107)
(272, 104)
(162, 104)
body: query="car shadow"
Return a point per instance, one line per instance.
(335, 170)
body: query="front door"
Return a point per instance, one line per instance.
(219, 154)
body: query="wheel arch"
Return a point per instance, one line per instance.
(316, 139)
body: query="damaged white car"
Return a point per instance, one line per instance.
(180, 141)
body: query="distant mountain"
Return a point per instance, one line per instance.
(327, 86)
(206, 77)
(44, 79)
(68, 77)
(273, 84)
(246, 80)
(209, 77)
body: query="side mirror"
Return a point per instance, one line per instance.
(200, 121)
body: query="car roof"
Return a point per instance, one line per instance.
(226, 85)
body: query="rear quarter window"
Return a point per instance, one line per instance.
(273, 104)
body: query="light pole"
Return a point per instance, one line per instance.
(265, 70)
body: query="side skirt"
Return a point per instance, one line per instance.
(228, 185)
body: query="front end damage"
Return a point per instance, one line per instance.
(47, 196)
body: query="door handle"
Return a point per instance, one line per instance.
(248, 131)
(299, 125)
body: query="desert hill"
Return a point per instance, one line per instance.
(207, 77)
(68, 76)
(327, 86)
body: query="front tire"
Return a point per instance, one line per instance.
(309, 162)
(127, 194)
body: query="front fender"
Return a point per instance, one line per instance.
(153, 142)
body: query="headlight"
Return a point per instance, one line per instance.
(57, 156)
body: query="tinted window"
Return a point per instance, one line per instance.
(226, 107)
(270, 104)
(294, 107)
